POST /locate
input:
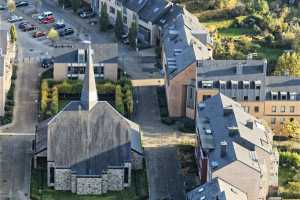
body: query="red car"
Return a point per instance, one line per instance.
(48, 20)
(39, 34)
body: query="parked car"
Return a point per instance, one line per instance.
(87, 15)
(46, 62)
(82, 10)
(48, 20)
(58, 26)
(22, 25)
(15, 18)
(3, 7)
(22, 3)
(29, 27)
(38, 34)
(44, 15)
(67, 31)
(93, 21)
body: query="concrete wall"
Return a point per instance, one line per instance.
(60, 71)
(176, 91)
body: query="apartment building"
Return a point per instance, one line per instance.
(72, 64)
(7, 56)
(274, 99)
(235, 150)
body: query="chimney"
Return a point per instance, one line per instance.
(223, 146)
(239, 69)
(249, 124)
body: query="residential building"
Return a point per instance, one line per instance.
(275, 99)
(7, 56)
(181, 49)
(89, 147)
(72, 64)
(217, 189)
(236, 148)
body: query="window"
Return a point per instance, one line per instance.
(112, 10)
(282, 109)
(256, 109)
(257, 98)
(246, 109)
(273, 108)
(52, 175)
(282, 120)
(190, 101)
(125, 11)
(124, 19)
(126, 174)
(291, 119)
(205, 97)
(245, 98)
(273, 120)
(292, 96)
(292, 109)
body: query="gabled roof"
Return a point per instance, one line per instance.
(217, 188)
(135, 5)
(153, 10)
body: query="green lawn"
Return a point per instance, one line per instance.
(137, 191)
(235, 32)
(270, 53)
(62, 103)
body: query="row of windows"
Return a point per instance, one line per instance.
(81, 70)
(247, 109)
(282, 109)
(230, 84)
(281, 120)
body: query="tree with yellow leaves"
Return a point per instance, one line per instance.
(292, 128)
(53, 35)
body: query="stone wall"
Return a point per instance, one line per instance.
(115, 179)
(62, 179)
(89, 185)
(136, 160)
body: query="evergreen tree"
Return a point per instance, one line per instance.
(11, 5)
(103, 17)
(119, 100)
(119, 25)
(13, 33)
(132, 35)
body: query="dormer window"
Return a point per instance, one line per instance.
(234, 84)
(293, 96)
(222, 84)
(274, 95)
(257, 85)
(283, 95)
(246, 84)
(207, 84)
(81, 56)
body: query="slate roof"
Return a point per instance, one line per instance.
(153, 10)
(103, 53)
(135, 5)
(181, 46)
(217, 189)
(218, 124)
(88, 141)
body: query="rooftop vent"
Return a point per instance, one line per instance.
(155, 9)
(214, 164)
(239, 68)
(249, 123)
(201, 190)
(223, 147)
(162, 21)
(201, 106)
(202, 198)
(208, 132)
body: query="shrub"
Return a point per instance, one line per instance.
(129, 102)
(167, 120)
(119, 105)
(54, 101)
(44, 96)
(290, 158)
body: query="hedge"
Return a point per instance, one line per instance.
(119, 100)
(44, 96)
(54, 101)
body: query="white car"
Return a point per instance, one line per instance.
(15, 18)
(44, 15)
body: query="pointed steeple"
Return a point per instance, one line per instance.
(89, 92)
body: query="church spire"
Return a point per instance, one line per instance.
(89, 92)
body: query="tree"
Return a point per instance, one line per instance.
(296, 41)
(119, 100)
(119, 25)
(75, 5)
(13, 33)
(53, 35)
(54, 101)
(129, 101)
(104, 18)
(44, 96)
(288, 64)
(292, 128)
(261, 6)
(132, 35)
(11, 5)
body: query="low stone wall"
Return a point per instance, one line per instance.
(89, 185)
(62, 179)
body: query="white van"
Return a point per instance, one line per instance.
(44, 15)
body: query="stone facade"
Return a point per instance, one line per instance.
(110, 180)
(62, 179)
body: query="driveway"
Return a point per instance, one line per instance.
(159, 141)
